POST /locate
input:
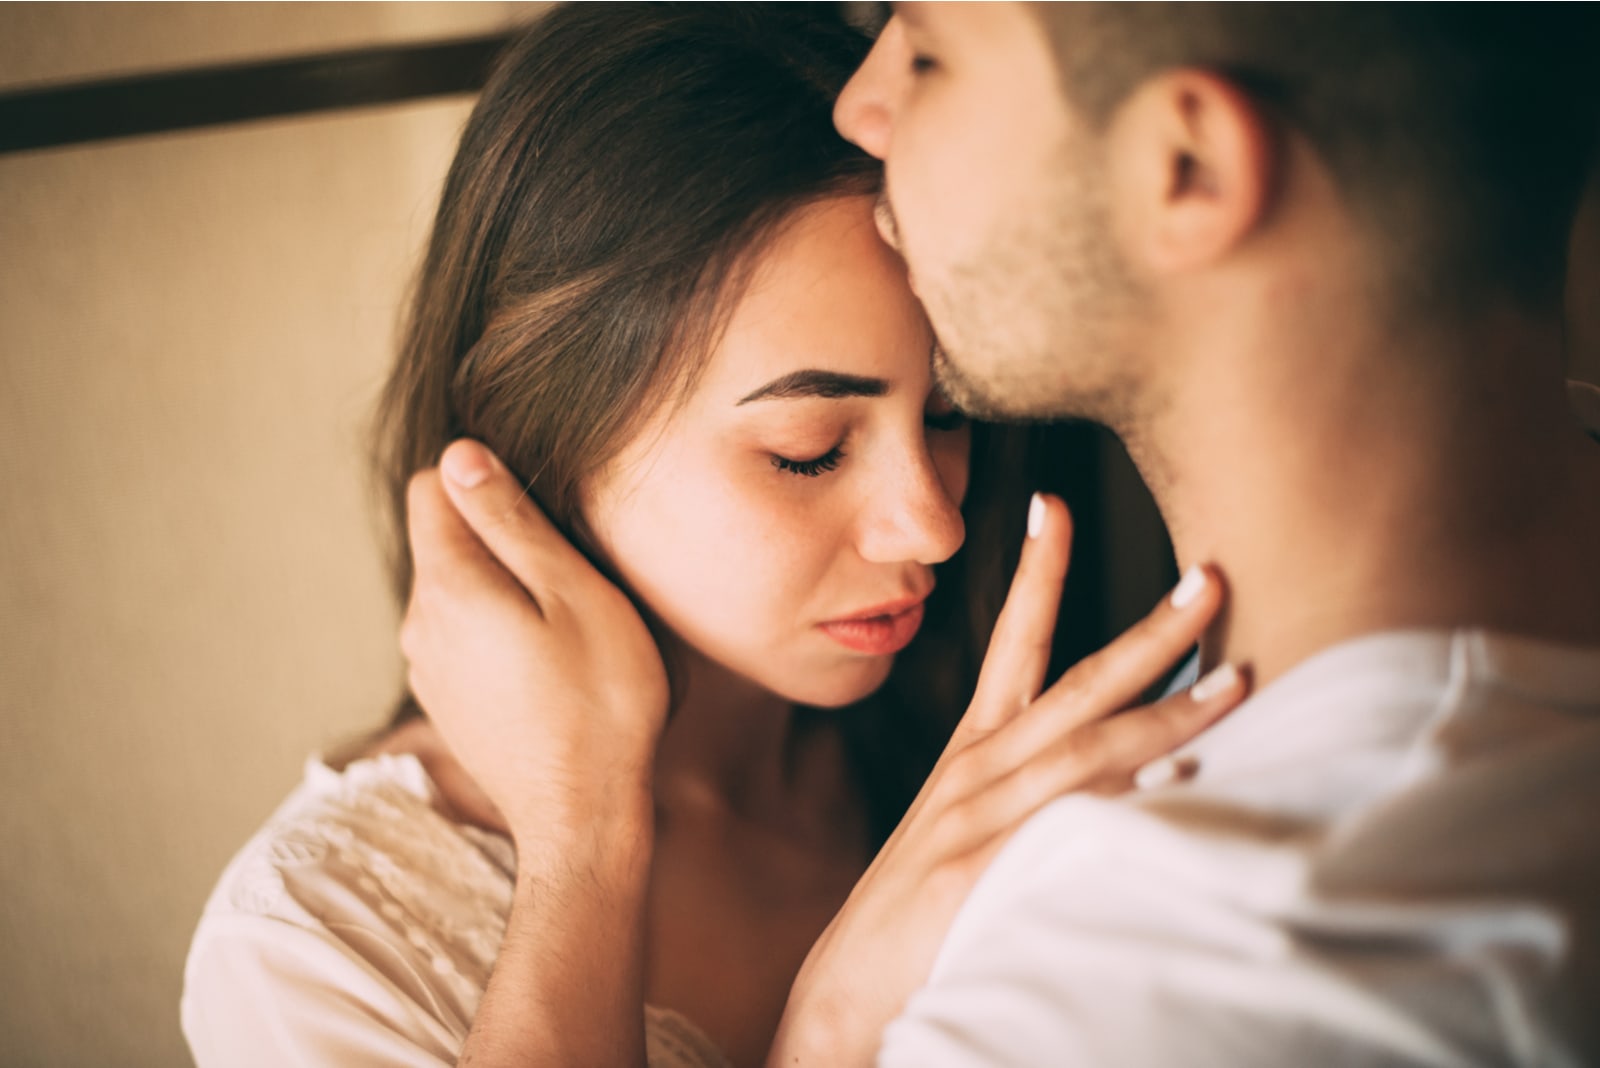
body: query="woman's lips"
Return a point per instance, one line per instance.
(881, 633)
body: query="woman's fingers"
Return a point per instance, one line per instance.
(1078, 736)
(502, 515)
(1019, 650)
(1003, 767)
(1209, 699)
(1119, 674)
(1103, 757)
(1116, 750)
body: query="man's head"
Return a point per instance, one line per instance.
(1067, 178)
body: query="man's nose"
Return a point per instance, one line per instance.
(863, 111)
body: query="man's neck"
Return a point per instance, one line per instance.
(1349, 483)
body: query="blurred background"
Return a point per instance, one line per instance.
(193, 326)
(208, 215)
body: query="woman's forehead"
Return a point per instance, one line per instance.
(826, 294)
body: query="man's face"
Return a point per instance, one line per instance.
(998, 206)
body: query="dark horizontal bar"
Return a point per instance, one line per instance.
(181, 100)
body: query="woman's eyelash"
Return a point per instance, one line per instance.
(810, 468)
(922, 64)
(952, 419)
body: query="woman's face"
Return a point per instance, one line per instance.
(785, 520)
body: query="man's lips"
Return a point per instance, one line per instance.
(880, 631)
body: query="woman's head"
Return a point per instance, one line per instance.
(621, 167)
(784, 520)
(649, 221)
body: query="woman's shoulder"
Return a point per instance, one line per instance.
(360, 912)
(371, 845)
(363, 882)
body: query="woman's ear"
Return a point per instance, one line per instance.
(1192, 171)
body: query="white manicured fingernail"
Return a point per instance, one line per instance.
(1035, 516)
(1216, 681)
(1164, 770)
(1189, 587)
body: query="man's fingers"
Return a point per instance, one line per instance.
(1019, 650)
(508, 522)
(454, 576)
(443, 546)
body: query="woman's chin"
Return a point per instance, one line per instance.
(841, 686)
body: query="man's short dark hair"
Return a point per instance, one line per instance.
(1461, 132)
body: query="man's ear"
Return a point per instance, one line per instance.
(1192, 171)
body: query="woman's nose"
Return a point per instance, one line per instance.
(915, 516)
(862, 112)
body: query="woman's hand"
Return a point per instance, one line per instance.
(538, 672)
(1015, 750)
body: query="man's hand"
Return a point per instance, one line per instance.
(547, 686)
(538, 672)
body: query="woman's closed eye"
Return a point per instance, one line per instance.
(819, 465)
(940, 417)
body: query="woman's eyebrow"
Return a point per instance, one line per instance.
(814, 383)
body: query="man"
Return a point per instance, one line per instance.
(1306, 262)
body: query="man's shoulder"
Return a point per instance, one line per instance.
(1413, 729)
(1407, 809)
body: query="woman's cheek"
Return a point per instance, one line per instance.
(786, 551)
(738, 528)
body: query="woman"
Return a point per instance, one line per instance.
(655, 292)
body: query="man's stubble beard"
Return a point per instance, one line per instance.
(1030, 327)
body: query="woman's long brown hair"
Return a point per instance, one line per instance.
(622, 168)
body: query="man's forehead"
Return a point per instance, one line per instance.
(925, 12)
(925, 9)
(955, 22)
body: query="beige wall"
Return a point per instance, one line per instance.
(192, 329)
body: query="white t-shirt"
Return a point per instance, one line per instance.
(358, 927)
(1390, 856)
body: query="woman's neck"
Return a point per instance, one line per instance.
(732, 749)
(730, 752)
(725, 736)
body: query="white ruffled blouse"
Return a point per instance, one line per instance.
(359, 927)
